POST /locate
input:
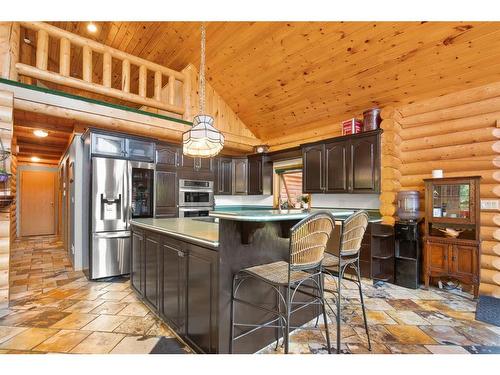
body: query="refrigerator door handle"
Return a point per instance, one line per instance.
(124, 234)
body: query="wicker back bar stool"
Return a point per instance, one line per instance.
(347, 255)
(302, 273)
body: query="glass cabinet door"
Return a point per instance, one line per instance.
(451, 201)
(140, 150)
(104, 144)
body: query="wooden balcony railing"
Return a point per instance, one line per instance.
(159, 100)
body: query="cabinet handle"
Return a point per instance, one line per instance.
(180, 254)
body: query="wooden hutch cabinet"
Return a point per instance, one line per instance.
(452, 203)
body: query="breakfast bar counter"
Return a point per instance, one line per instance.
(183, 270)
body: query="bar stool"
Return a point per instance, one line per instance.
(353, 230)
(301, 273)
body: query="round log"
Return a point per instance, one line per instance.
(454, 165)
(391, 125)
(490, 218)
(451, 100)
(489, 290)
(488, 177)
(6, 114)
(490, 233)
(490, 277)
(390, 185)
(490, 248)
(490, 190)
(446, 127)
(391, 161)
(490, 262)
(6, 99)
(387, 209)
(452, 113)
(390, 173)
(391, 137)
(452, 152)
(451, 139)
(388, 197)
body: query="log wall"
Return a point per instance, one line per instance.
(460, 134)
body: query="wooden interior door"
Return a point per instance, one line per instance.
(38, 203)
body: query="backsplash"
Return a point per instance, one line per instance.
(368, 201)
(243, 200)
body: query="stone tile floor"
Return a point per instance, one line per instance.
(56, 310)
(402, 321)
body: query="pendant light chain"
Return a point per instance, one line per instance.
(202, 69)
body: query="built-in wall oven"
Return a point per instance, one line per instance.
(196, 198)
(194, 211)
(196, 193)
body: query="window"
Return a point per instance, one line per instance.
(290, 187)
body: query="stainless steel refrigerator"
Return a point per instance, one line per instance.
(120, 189)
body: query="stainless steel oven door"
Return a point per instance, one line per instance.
(194, 211)
(196, 193)
(110, 254)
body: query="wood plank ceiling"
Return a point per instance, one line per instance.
(49, 149)
(289, 81)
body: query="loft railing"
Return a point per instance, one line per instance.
(169, 102)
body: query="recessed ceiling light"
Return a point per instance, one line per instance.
(40, 133)
(35, 159)
(91, 27)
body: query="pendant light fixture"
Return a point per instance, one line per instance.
(203, 140)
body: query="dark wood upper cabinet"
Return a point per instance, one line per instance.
(347, 164)
(223, 176)
(364, 159)
(336, 167)
(260, 175)
(313, 159)
(240, 176)
(166, 194)
(167, 156)
(196, 164)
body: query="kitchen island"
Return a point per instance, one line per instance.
(183, 269)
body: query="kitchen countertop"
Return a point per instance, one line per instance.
(279, 215)
(203, 233)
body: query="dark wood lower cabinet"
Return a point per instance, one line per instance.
(202, 298)
(173, 284)
(136, 275)
(151, 268)
(178, 280)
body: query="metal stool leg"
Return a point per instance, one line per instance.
(288, 308)
(339, 282)
(363, 306)
(232, 317)
(280, 320)
(325, 319)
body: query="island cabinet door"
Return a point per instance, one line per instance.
(336, 167)
(313, 169)
(173, 286)
(202, 298)
(136, 276)
(365, 165)
(152, 262)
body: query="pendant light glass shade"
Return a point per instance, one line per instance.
(202, 140)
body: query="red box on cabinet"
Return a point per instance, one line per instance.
(352, 126)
